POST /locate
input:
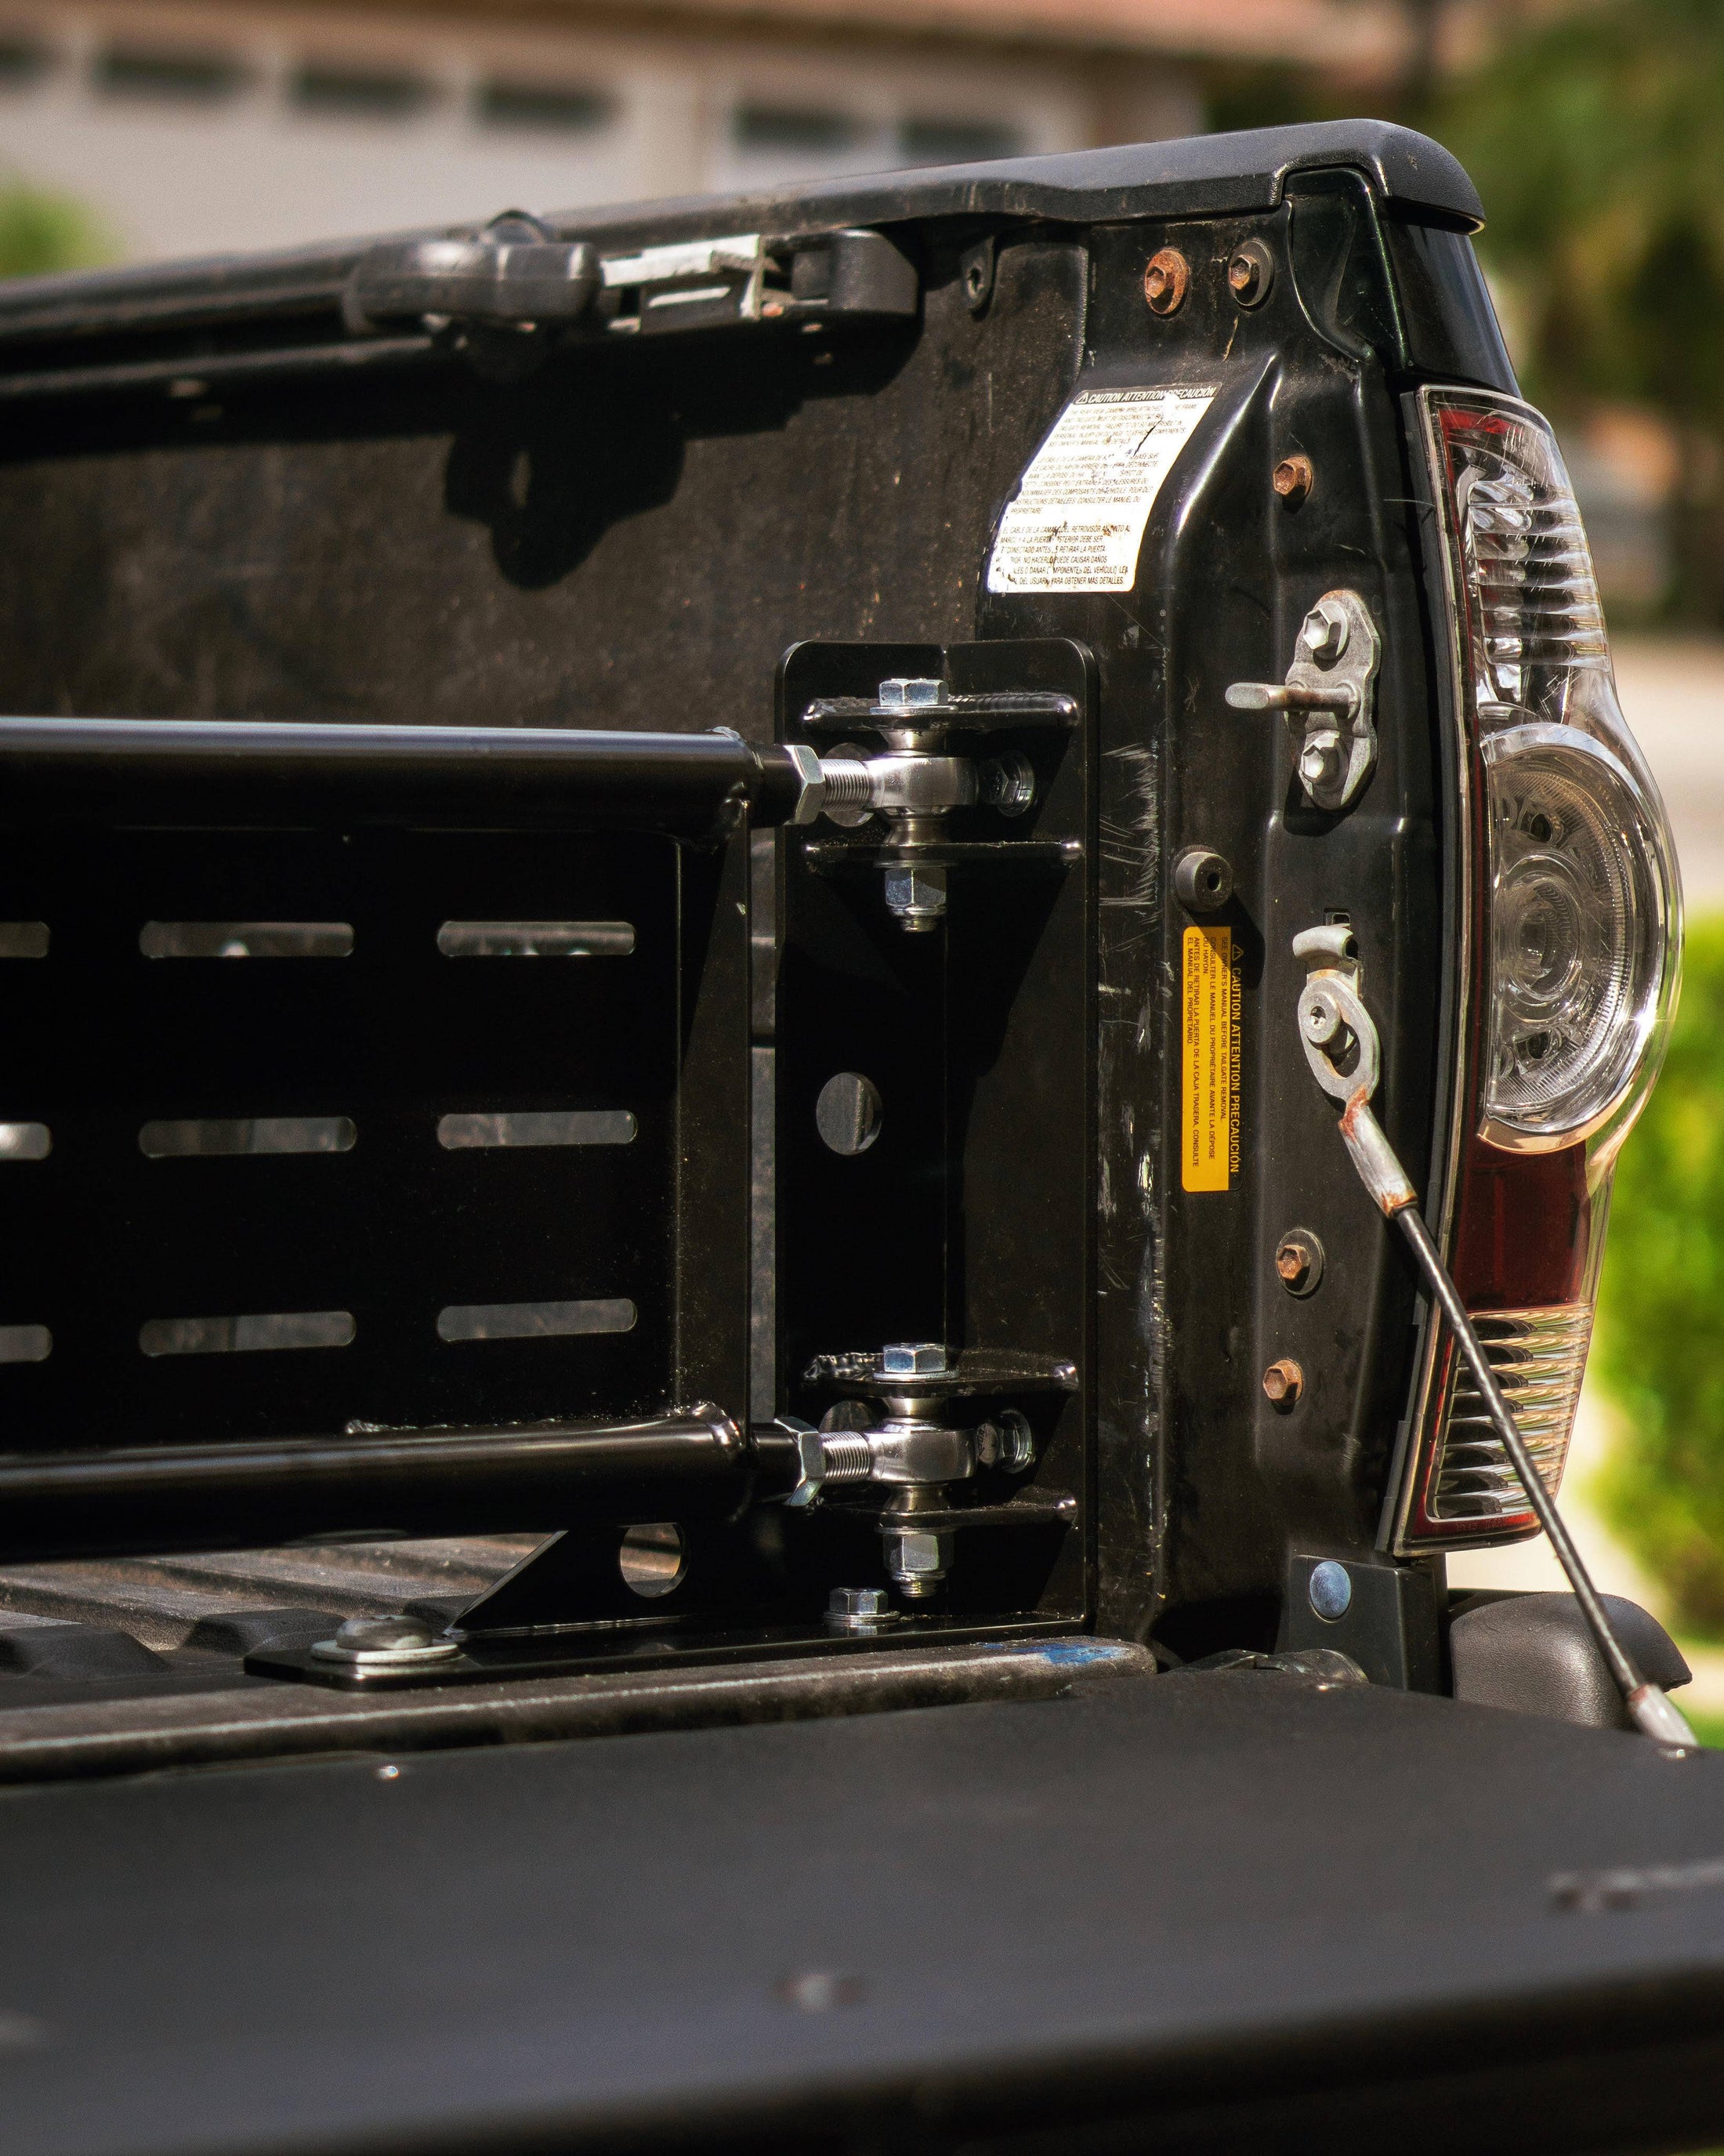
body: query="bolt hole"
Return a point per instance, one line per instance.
(520, 484)
(653, 1558)
(847, 1113)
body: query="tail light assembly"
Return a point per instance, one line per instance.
(1567, 932)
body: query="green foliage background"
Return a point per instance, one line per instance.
(1660, 1344)
(1595, 133)
(41, 231)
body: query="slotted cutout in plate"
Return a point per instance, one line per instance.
(302, 1172)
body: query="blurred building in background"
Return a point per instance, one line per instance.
(190, 128)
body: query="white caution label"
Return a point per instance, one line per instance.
(1077, 521)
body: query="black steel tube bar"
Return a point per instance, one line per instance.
(247, 1492)
(141, 773)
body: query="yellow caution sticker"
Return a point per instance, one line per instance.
(1209, 1126)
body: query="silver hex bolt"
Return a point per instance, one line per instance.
(1007, 1442)
(925, 1358)
(917, 1561)
(913, 694)
(1324, 632)
(1319, 762)
(917, 897)
(859, 1610)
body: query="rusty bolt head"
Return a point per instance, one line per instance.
(1299, 1261)
(1283, 1382)
(1292, 479)
(1250, 272)
(1165, 280)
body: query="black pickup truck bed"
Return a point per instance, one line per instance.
(1186, 1913)
(465, 1076)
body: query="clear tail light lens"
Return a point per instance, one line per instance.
(1569, 914)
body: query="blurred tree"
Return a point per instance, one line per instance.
(40, 232)
(1660, 1344)
(1593, 134)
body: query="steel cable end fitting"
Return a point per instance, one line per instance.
(1346, 1058)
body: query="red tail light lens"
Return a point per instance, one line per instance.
(1569, 911)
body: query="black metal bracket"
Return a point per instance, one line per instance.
(964, 1215)
(515, 275)
(505, 296)
(335, 1030)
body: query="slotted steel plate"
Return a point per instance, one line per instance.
(258, 1184)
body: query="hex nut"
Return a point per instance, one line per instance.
(1293, 478)
(1006, 783)
(1165, 281)
(1203, 881)
(1283, 1382)
(1250, 272)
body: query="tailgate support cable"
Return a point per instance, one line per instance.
(1335, 1028)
